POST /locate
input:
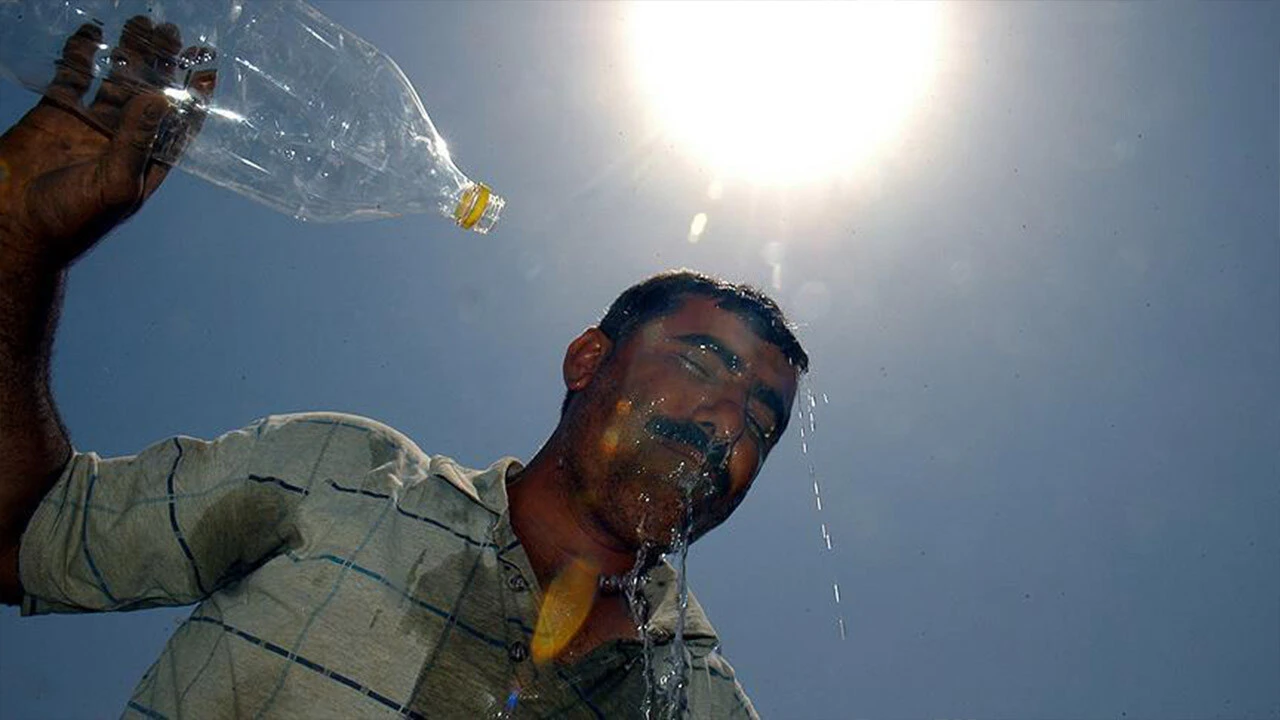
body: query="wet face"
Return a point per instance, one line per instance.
(670, 427)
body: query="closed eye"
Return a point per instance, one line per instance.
(765, 436)
(693, 366)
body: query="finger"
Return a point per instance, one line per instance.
(187, 118)
(136, 35)
(155, 174)
(75, 67)
(162, 56)
(130, 149)
(127, 69)
(156, 48)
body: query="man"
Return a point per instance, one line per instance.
(341, 571)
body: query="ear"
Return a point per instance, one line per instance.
(584, 357)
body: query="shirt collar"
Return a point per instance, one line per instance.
(663, 593)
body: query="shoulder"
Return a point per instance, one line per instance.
(332, 444)
(331, 427)
(725, 695)
(350, 445)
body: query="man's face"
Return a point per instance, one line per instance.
(676, 422)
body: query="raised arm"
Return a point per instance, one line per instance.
(69, 174)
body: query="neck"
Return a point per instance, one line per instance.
(552, 525)
(555, 530)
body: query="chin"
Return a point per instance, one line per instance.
(669, 526)
(648, 504)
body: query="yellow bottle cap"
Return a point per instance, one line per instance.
(471, 205)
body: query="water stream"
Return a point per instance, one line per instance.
(633, 589)
(666, 694)
(808, 426)
(673, 683)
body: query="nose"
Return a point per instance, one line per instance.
(721, 418)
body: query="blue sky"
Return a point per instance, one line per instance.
(1047, 324)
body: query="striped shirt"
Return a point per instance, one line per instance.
(340, 572)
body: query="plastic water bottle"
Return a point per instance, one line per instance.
(306, 117)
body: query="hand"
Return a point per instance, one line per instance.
(70, 173)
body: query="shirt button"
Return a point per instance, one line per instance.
(517, 583)
(517, 651)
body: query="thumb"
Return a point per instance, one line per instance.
(130, 149)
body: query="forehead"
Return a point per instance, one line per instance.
(701, 316)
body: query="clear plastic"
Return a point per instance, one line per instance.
(306, 117)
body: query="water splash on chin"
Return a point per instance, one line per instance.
(699, 485)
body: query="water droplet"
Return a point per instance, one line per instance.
(836, 588)
(199, 56)
(840, 622)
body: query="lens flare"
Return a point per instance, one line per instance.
(565, 607)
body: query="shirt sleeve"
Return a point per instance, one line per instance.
(167, 526)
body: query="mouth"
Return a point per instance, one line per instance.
(696, 458)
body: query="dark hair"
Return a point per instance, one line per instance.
(663, 294)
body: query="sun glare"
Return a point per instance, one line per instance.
(784, 93)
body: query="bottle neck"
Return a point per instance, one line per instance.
(477, 208)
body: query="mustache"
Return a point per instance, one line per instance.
(715, 455)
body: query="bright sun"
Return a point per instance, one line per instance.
(784, 93)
